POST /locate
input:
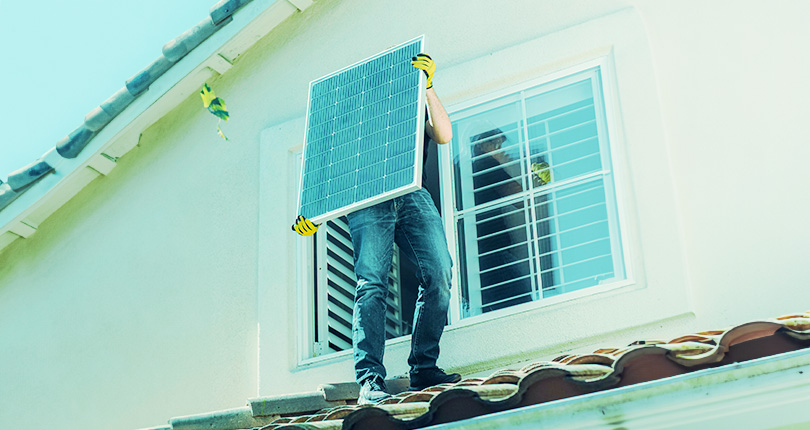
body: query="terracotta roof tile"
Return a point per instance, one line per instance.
(566, 376)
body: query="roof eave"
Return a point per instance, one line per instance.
(212, 57)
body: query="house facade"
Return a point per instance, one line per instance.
(638, 188)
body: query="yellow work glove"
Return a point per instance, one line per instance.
(542, 173)
(424, 63)
(304, 226)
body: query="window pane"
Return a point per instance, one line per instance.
(582, 252)
(497, 258)
(562, 131)
(489, 151)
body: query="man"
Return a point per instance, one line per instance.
(412, 222)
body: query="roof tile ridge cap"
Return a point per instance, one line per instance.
(798, 323)
(72, 145)
(692, 353)
(28, 174)
(173, 51)
(180, 46)
(225, 9)
(141, 81)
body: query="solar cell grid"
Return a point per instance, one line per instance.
(363, 137)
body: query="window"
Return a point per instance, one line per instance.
(533, 199)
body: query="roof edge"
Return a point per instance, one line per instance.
(113, 128)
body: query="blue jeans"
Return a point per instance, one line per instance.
(413, 222)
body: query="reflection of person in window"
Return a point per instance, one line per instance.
(494, 168)
(504, 262)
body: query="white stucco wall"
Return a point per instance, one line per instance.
(169, 287)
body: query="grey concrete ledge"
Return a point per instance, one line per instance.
(25, 176)
(291, 404)
(342, 391)
(232, 419)
(71, 145)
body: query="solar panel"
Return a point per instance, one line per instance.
(364, 132)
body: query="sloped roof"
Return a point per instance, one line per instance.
(73, 144)
(333, 406)
(15, 221)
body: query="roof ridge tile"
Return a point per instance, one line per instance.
(180, 46)
(29, 174)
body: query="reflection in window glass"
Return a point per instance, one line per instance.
(533, 195)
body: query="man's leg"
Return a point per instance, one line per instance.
(372, 231)
(420, 235)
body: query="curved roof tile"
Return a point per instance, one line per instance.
(565, 376)
(27, 175)
(71, 145)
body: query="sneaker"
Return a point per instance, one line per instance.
(372, 391)
(431, 377)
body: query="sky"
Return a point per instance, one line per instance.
(59, 59)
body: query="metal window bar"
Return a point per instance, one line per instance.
(555, 252)
(548, 204)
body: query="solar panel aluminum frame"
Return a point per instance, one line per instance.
(414, 185)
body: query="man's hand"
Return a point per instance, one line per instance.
(304, 226)
(424, 63)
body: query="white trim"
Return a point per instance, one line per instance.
(612, 288)
(563, 78)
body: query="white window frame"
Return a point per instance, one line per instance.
(603, 64)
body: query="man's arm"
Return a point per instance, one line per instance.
(441, 131)
(437, 125)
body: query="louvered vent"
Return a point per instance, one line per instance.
(335, 291)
